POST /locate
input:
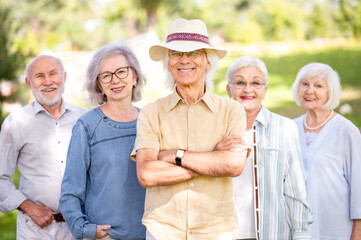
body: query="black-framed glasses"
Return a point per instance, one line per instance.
(192, 54)
(121, 73)
(241, 84)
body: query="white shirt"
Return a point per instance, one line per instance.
(37, 144)
(243, 194)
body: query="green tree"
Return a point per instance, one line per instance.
(350, 16)
(10, 58)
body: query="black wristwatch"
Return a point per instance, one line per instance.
(179, 156)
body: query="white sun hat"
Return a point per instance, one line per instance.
(184, 36)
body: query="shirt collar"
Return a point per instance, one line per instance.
(37, 107)
(262, 116)
(206, 98)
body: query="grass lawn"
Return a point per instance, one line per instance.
(282, 72)
(8, 220)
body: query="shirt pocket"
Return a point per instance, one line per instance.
(25, 221)
(272, 160)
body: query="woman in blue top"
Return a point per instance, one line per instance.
(100, 193)
(331, 152)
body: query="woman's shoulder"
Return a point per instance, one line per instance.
(344, 124)
(91, 119)
(286, 122)
(92, 115)
(299, 119)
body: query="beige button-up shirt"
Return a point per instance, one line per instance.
(200, 208)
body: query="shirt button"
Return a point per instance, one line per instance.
(56, 123)
(59, 142)
(62, 161)
(191, 111)
(192, 135)
(192, 184)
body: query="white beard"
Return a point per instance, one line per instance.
(43, 100)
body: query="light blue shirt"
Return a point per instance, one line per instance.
(332, 165)
(283, 210)
(100, 185)
(36, 143)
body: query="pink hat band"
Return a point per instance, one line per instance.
(183, 36)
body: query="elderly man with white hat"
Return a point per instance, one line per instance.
(189, 186)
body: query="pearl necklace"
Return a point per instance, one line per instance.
(314, 128)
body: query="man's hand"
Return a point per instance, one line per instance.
(101, 233)
(167, 155)
(231, 143)
(41, 215)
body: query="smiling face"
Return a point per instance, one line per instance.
(117, 89)
(250, 97)
(46, 78)
(313, 93)
(189, 71)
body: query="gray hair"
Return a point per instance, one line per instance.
(32, 61)
(95, 64)
(247, 61)
(321, 71)
(213, 60)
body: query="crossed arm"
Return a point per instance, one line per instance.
(156, 168)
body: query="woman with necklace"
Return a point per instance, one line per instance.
(100, 194)
(331, 150)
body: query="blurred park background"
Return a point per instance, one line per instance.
(285, 34)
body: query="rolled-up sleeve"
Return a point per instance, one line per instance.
(147, 129)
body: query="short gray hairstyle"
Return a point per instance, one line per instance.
(211, 57)
(247, 61)
(95, 64)
(32, 61)
(321, 71)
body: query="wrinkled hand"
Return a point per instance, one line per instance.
(231, 143)
(167, 155)
(41, 215)
(101, 233)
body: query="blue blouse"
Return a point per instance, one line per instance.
(332, 166)
(100, 185)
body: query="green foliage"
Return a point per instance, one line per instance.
(8, 225)
(350, 16)
(9, 57)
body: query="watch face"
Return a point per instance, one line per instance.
(180, 153)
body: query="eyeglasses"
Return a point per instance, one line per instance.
(107, 77)
(240, 84)
(192, 54)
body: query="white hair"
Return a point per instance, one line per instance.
(247, 61)
(32, 61)
(322, 71)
